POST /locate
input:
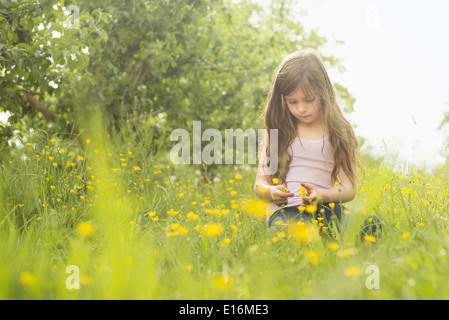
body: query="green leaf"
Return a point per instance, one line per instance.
(6, 3)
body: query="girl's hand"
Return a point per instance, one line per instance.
(279, 195)
(313, 195)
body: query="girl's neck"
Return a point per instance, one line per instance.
(315, 132)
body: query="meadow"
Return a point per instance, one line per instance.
(104, 219)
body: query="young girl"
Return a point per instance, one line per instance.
(317, 147)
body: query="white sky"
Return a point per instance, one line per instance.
(396, 55)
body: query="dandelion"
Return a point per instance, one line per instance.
(333, 246)
(29, 144)
(237, 177)
(227, 240)
(53, 140)
(263, 190)
(302, 192)
(275, 180)
(88, 141)
(28, 278)
(233, 193)
(213, 230)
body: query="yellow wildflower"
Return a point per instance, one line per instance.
(85, 228)
(28, 278)
(213, 230)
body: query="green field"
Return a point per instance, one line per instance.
(125, 226)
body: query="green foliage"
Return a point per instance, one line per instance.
(180, 60)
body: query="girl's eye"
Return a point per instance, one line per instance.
(310, 100)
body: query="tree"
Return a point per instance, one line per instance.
(171, 60)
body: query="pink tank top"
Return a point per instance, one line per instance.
(312, 163)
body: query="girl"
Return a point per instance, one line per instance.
(317, 147)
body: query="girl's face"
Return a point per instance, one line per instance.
(305, 106)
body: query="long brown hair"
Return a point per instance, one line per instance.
(306, 69)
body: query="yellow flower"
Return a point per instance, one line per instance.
(332, 205)
(343, 253)
(303, 232)
(172, 212)
(406, 235)
(302, 192)
(226, 240)
(222, 281)
(175, 226)
(333, 246)
(86, 280)
(263, 190)
(254, 207)
(369, 238)
(85, 228)
(213, 230)
(53, 140)
(237, 177)
(312, 256)
(275, 180)
(29, 144)
(28, 278)
(253, 248)
(353, 271)
(88, 141)
(311, 208)
(233, 193)
(192, 216)
(440, 166)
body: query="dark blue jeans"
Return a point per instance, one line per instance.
(331, 217)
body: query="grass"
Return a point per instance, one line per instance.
(137, 227)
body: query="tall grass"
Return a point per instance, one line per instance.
(138, 227)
